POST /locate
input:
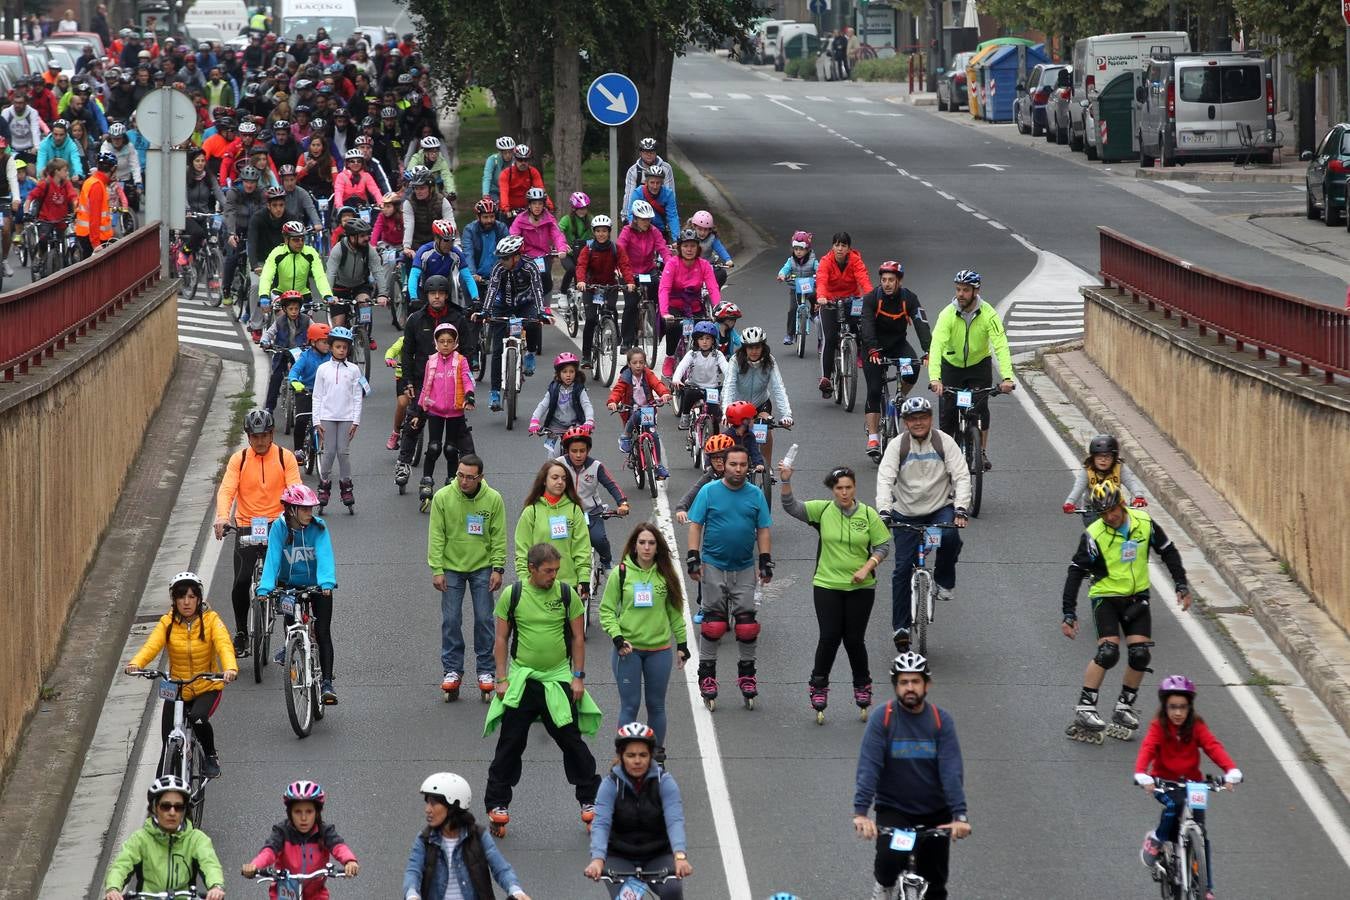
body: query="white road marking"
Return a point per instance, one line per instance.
(1184, 187)
(202, 320)
(223, 332)
(779, 97)
(818, 98)
(981, 216)
(739, 96)
(700, 95)
(999, 225)
(207, 342)
(1038, 332)
(945, 196)
(926, 184)
(857, 100)
(964, 208)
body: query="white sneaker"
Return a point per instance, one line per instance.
(9, 270)
(486, 681)
(882, 893)
(945, 594)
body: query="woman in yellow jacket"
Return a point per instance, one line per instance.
(198, 642)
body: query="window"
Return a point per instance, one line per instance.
(1200, 84)
(1221, 84)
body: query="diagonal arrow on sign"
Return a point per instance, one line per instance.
(994, 166)
(794, 166)
(617, 103)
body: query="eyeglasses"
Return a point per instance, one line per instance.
(467, 477)
(172, 807)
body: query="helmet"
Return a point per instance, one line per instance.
(405, 78)
(576, 433)
(657, 171)
(430, 142)
(369, 121)
(753, 335)
(891, 266)
(1176, 684)
(1104, 443)
(967, 276)
(258, 421)
(303, 84)
(647, 144)
(391, 197)
(290, 296)
(535, 193)
(602, 222)
(437, 283)
(909, 661)
(341, 334)
(1105, 495)
(188, 576)
(784, 895)
(290, 229)
(718, 443)
(484, 206)
(363, 140)
(522, 151)
(579, 199)
(117, 129)
(299, 495)
(443, 228)
(356, 227)
(248, 127)
(276, 193)
(506, 142)
(726, 310)
(445, 326)
(319, 125)
(741, 412)
(451, 788)
(510, 245)
(701, 219)
(249, 173)
(419, 179)
(304, 109)
(634, 731)
(107, 160)
(61, 123)
(641, 209)
(688, 235)
(303, 790)
(286, 169)
(281, 125)
(353, 153)
(165, 784)
(318, 331)
(708, 328)
(565, 359)
(915, 406)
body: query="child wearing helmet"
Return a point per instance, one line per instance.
(565, 403)
(1102, 463)
(287, 334)
(589, 475)
(684, 281)
(645, 246)
(541, 234)
(711, 246)
(799, 272)
(741, 417)
(301, 378)
(604, 264)
(339, 391)
(725, 315)
(637, 385)
(576, 228)
(700, 372)
(753, 376)
(446, 395)
(474, 860)
(303, 842)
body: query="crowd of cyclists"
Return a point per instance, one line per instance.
(468, 290)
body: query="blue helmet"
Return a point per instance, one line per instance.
(784, 895)
(708, 328)
(967, 276)
(341, 334)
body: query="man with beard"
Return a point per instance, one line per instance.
(910, 768)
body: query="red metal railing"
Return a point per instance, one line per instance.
(39, 319)
(1311, 334)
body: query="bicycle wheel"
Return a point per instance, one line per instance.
(315, 698)
(311, 448)
(607, 351)
(648, 450)
(299, 696)
(765, 480)
(257, 613)
(975, 460)
(286, 408)
(570, 317)
(803, 317)
(509, 386)
(696, 441)
(647, 337)
(361, 349)
(197, 801)
(1195, 874)
(211, 275)
(921, 607)
(848, 351)
(189, 274)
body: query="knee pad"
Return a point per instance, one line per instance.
(1138, 656)
(433, 449)
(712, 627)
(1108, 654)
(747, 629)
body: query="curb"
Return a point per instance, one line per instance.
(1244, 176)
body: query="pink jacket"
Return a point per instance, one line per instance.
(682, 282)
(540, 237)
(288, 849)
(364, 190)
(643, 249)
(447, 385)
(388, 230)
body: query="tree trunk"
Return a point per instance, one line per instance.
(530, 103)
(568, 126)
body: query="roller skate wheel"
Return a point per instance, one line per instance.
(486, 696)
(862, 714)
(749, 702)
(498, 831)
(445, 695)
(1119, 732)
(711, 704)
(820, 717)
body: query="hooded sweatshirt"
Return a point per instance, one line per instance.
(298, 557)
(286, 848)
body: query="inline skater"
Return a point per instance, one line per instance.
(444, 402)
(419, 345)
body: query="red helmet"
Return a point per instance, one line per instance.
(726, 310)
(891, 266)
(443, 228)
(576, 433)
(318, 332)
(484, 206)
(288, 296)
(740, 412)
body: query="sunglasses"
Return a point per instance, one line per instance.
(842, 472)
(172, 807)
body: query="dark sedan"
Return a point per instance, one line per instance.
(951, 86)
(1033, 96)
(1325, 179)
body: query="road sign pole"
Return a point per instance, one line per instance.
(614, 174)
(612, 100)
(165, 112)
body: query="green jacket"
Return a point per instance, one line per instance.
(572, 537)
(160, 861)
(576, 229)
(957, 342)
(648, 627)
(557, 697)
(439, 168)
(466, 533)
(287, 271)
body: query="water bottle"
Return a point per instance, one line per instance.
(791, 456)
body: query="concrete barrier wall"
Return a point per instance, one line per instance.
(69, 432)
(1275, 445)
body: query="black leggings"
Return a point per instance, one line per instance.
(931, 852)
(246, 556)
(842, 616)
(626, 327)
(451, 436)
(980, 375)
(322, 609)
(534, 339)
(194, 234)
(689, 398)
(874, 374)
(829, 335)
(793, 300)
(197, 714)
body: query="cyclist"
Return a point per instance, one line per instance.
(1171, 751)
(589, 475)
(1113, 551)
(355, 271)
(283, 148)
(886, 313)
(493, 166)
(301, 380)
(923, 480)
(440, 256)
(725, 315)
(713, 250)
(801, 263)
(553, 514)
(516, 179)
(661, 198)
(52, 201)
(753, 376)
(514, 290)
(603, 263)
(128, 162)
(639, 815)
(637, 385)
(453, 845)
(242, 203)
(575, 226)
(300, 203)
(58, 144)
(680, 295)
(190, 655)
(303, 843)
(480, 238)
(265, 234)
(252, 487)
(647, 157)
(354, 183)
(289, 331)
(423, 206)
(841, 277)
(703, 368)
(93, 212)
(427, 152)
(910, 768)
(715, 452)
(967, 332)
(565, 403)
(542, 236)
(740, 416)
(646, 249)
(203, 197)
(852, 546)
(291, 266)
(1103, 463)
(166, 853)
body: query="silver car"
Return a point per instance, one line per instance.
(952, 91)
(1057, 107)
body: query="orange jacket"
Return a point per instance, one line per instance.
(831, 283)
(204, 646)
(93, 208)
(253, 484)
(513, 183)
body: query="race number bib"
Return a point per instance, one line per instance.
(540, 264)
(965, 399)
(168, 690)
(648, 415)
(932, 536)
(474, 525)
(855, 308)
(642, 594)
(645, 278)
(288, 605)
(761, 432)
(258, 526)
(288, 890)
(633, 889)
(906, 366)
(806, 285)
(598, 299)
(711, 395)
(688, 328)
(363, 315)
(295, 352)
(363, 384)
(1197, 795)
(516, 326)
(557, 527)
(902, 840)
(1129, 551)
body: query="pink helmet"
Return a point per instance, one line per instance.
(1176, 684)
(701, 219)
(580, 200)
(565, 359)
(303, 790)
(801, 237)
(299, 495)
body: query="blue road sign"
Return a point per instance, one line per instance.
(612, 99)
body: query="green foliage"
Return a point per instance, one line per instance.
(1312, 30)
(803, 68)
(894, 69)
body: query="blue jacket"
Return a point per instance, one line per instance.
(298, 557)
(618, 779)
(47, 151)
(307, 366)
(481, 246)
(428, 261)
(141, 143)
(666, 198)
(429, 842)
(910, 762)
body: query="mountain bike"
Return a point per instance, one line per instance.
(257, 534)
(848, 309)
(573, 312)
(285, 412)
(921, 586)
(182, 755)
(969, 403)
(647, 317)
(511, 361)
(290, 885)
(638, 884)
(48, 248)
(598, 572)
(765, 479)
(911, 885)
(200, 269)
(605, 342)
(702, 423)
(891, 424)
(804, 289)
(1182, 871)
(303, 706)
(396, 283)
(312, 445)
(643, 456)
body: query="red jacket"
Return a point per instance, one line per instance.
(831, 283)
(1174, 760)
(513, 183)
(45, 103)
(623, 387)
(53, 202)
(596, 266)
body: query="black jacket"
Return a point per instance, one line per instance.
(886, 318)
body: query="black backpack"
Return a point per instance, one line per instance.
(566, 622)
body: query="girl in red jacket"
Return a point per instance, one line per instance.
(637, 385)
(53, 199)
(1171, 751)
(303, 843)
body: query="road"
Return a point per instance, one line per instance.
(767, 792)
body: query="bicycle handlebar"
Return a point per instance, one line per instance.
(272, 876)
(654, 877)
(158, 675)
(918, 832)
(891, 519)
(1213, 784)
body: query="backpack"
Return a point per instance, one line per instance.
(890, 706)
(566, 622)
(935, 436)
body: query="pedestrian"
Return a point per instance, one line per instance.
(540, 638)
(728, 521)
(839, 50)
(553, 515)
(466, 549)
(643, 614)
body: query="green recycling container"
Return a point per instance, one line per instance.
(1114, 115)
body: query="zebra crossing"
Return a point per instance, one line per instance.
(742, 96)
(1037, 323)
(211, 327)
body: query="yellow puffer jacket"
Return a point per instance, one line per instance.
(203, 647)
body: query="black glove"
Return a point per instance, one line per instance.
(468, 399)
(683, 650)
(618, 642)
(765, 566)
(693, 562)
(889, 518)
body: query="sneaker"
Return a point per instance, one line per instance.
(243, 315)
(280, 657)
(788, 340)
(240, 643)
(329, 695)
(625, 445)
(901, 639)
(1209, 895)
(1150, 851)
(255, 335)
(586, 363)
(662, 473)
(988, 463)
(495, 401)
(227, 299)
(529, 363)
(874, 448)
(684, 422)
(392, 443)
(211, 767)
(372, 344)
(9, 270)
(826, 389)
(668, 368)
(587, 813)
(486, 681)
(946, 595)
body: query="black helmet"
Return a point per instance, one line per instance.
(1104, 443)
(437, 283)
(355, 227)
(107, 160)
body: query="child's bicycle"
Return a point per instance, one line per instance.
(804, 290)
(598, 571)
(512, 361)
(911, 885)
(290, 885)
(1182, 871)
(702, 423)
(643, 457)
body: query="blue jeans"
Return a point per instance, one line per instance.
(600, 539)
(452, 618)
(1170, 822)
(644, 672)
(906, 549)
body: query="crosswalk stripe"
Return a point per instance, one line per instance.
(198, 309)
(203, 320)
(206, 342)
(1015, 322)
(739, 96)
(1038, 332)
(1185, 187)
(700, 95)
(818, 98)
(778, 96)
(1047, 306)
(1012, 344)
(857, 100)
(1035, 314)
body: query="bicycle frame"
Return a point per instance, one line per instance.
(181, 740)
(913, 886)
(1185, 875)
(638, 883)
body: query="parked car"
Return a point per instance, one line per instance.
(1100, 58)
(1033, 96)
(1191, 106)
(198, 33)
(1326, 176)
(785, 35)
(1057, 107)
(766, 43)
(14, 58)
(79, 37)
(951, 86)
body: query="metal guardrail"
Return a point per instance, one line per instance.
(1311, 334)
(38, 319)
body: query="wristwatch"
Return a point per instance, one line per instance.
(579, 673)
(681, 856)
(963, 819)
(499, 570)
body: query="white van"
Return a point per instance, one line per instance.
(787, 32)
(337, 17)
(1097, 60)
(230, 16)
(768, 39)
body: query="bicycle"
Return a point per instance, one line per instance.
(804, 287)
(912, 885)
(921, 587)
(764, 478)
(644, 331)
(512, 360)
(891, 424)
(303, 706)
(1182, 871)
(397, 284)
(312, 445)
(702, 424)
(285, 412)
(968, 404)
(46, 248)
(182, 755)
(687, 324)
(605, 342)
(573, 315)
(598, 571)
(203, 267)
(846, 360)
(191, 893)
(643, 457)
(552, 442)
(361, 303)
(638, 884)
(290, 885)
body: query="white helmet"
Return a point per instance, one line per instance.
(601, 222)
(510, 245)
(506, 142)
(449, 786)
(753, 335)
(431, 142)
(643, 210)
(915, 406)
(188, 576)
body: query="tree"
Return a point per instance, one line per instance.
(1312, 30)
